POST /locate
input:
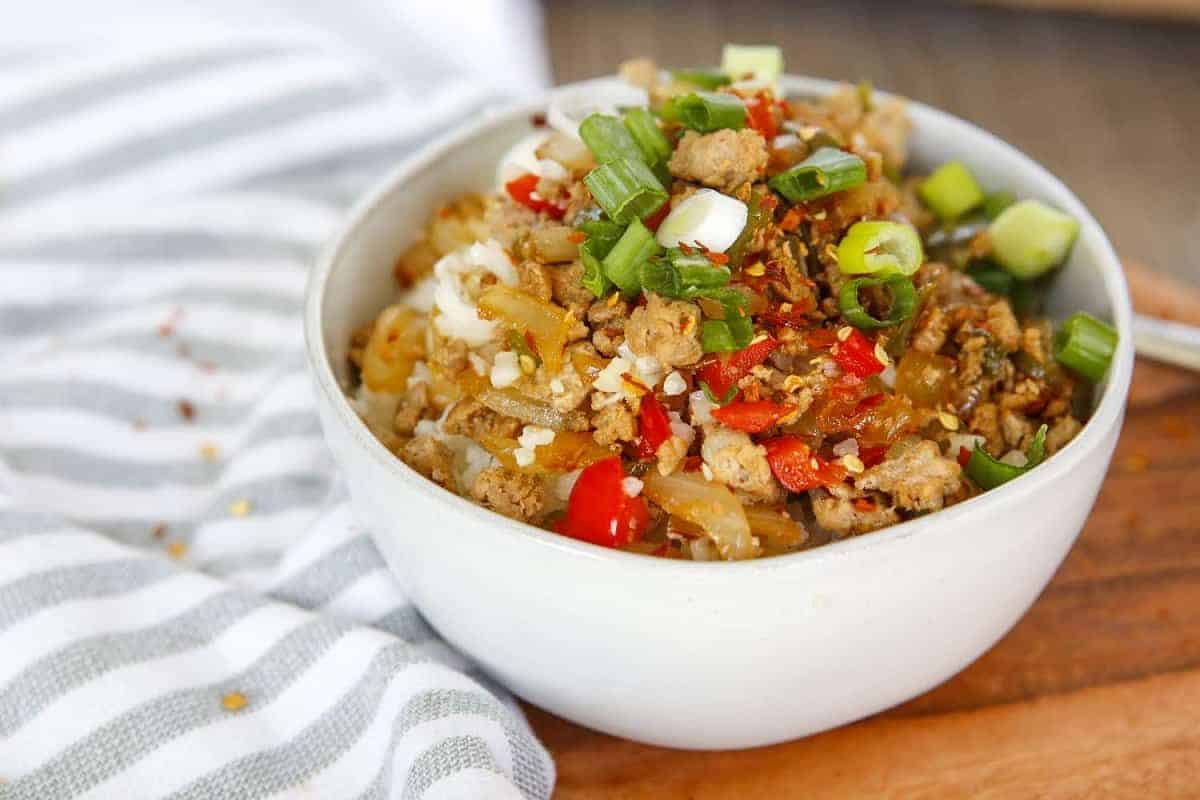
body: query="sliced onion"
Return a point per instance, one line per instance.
(397, 341)
(708, 504)
(547, 323)
(712, 219)
(512, 403)
(776, 528)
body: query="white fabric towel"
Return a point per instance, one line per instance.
(187, 608)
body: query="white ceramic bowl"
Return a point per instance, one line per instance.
(710, 655)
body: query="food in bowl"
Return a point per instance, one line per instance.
(706, 322)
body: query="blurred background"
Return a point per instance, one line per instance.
(1104, 93)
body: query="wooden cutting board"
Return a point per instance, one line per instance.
(1095, 693)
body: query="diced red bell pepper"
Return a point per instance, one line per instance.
(796, 466)
(761, 116)
(752, 416)
(654, 426)
(599, 511)
(856, 355)
(524, 191)
(721, 373)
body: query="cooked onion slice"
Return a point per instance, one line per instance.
(709, 218)
(708, 504)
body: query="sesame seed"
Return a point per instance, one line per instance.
(762, 337)
(612, 300)
(948, 420)
(843, 333)
(820, 215)
(881, 355)
(756, 270)
(239, 508)
(528, 365)
(853, 464)
(234, 701)
(785, 308)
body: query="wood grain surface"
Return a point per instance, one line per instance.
(1111, 105)
(1095, 693)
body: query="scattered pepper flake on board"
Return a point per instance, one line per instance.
(1136, 462)
(177, 550)
(239, 508)
(187, 410)
(234, 701)
(159, 531)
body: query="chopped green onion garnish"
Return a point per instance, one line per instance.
(727, 296)
(623, 264)
(992, 278)
(739, 324)
(1030, 238)
(988, 473)
(702, 78)
(904, 300)
(660, 276)
(626, 189)
(824, 172)
(1085, 345)
(759, 62)
(706, 111)
(608, 138)
(995, 202)
(650, 139)
(602, 235)
(880, 248)
(951, 191)
(715, 337)
(594, 279)
(696, 271)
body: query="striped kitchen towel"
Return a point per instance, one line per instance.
(187, 607)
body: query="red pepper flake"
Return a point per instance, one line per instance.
(531, 343)
(871, 455)
(537, 119)
(863, 504)
(159, 531)
(692, 463)
(444, 212)
(720, 259)
(792, 219)
(187, 410)
(577, 237)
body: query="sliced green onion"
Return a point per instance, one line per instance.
(626, 189)
(702, 78)
(739, 324)
(1030, 238)
(880, 248)
(660, 276)
(951, 191)
(706, 111)
(715, 337)
(992, 278)
(824, 172)
(608, 138)
(727, 296)
(623, 264)
(988, 472)
(696, 271)
(1085, 345)
(1027, 297)
(602, 235)
(996, 202)
(646, 134)
(904, 301)
(594, 279)
(761, 62)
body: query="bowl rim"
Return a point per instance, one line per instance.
(1108, 413)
